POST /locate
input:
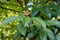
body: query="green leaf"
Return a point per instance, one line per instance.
(53, 22)
(3, 0)
(43, 35)
(12, 18)
(50, 34)
(39, 22)
(35, 11)
(43, 11)
(24, 19)
(21, 29)
(48, 12)
(57, 37)
(38, 38)
(55, 7)
(26, 1)
(16, 35)
(12, 7)
(55, 30)
(32, 33)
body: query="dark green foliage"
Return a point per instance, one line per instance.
(39, 25)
